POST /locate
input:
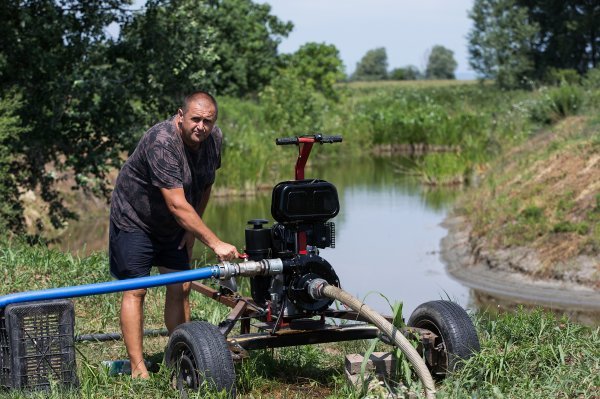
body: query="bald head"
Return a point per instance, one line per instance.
(202, 98)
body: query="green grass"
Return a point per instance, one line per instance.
(524, 355)
(530, 355)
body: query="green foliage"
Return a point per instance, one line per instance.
(567, 37)
(500, 42)
(570, 227)
(76, 106)
(372, 66)
(246, 40)
(228, 47)
(10, 131)
(519, 41)
(592, 79)
(532, 213)
(441, 64)
(409, 72)
(591, 84)
(558, 77)
(317, 65)
(247, 148)
(291, 107)
(557, 103)
(89, 97)
(444, 169)
(169, 57)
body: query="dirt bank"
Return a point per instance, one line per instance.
(530, 232)
(503, 274)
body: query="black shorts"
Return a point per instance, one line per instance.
(133, 253)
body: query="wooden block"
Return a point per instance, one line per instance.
(379, 362)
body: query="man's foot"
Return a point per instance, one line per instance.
(141, 375)
(139, 370)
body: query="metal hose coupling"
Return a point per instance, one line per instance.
(315, 288)
(250, 268)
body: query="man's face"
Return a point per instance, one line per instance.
(197, 122)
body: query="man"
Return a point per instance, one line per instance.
(156, 213)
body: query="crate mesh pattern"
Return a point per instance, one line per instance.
(37, 345)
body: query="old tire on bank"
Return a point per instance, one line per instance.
(457, 338)
(198, 354)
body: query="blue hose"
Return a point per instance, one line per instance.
(111, 286)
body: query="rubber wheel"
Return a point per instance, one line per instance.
(200, 358)
(457, 339)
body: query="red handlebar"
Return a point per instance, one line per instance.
(305, 144)
(312, 138)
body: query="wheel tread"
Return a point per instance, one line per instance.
(455, 326)
(210, 350)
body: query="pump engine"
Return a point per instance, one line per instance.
(302, 210)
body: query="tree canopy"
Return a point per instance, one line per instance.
(318, 65)
(372, 66)
(409, 72)
(55, 56)
(440, 64)
(229, 47)
(519, 41)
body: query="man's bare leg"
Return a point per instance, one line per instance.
(177, 303)
(132, 326)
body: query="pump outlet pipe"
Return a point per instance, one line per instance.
(222, 271)
(319, 289)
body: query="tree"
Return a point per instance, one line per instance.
(318, 65)
(228, 47)
(74, 102)
(568, 35)
(500, 42)
(441, 64)
(372, 66)
(409, 72)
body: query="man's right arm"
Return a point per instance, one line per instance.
(188, 218)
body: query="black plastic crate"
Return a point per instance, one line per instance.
(37, 345)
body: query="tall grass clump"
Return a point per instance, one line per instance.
(529, 355)
(556, 103)
(591, 84)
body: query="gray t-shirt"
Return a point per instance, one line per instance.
(161, 160)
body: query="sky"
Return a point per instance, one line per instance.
(408, 29)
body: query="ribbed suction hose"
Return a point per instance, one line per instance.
(320, 288)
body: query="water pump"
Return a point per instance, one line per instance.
(302, 210)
